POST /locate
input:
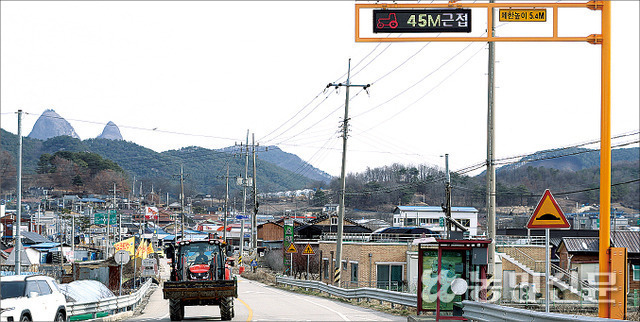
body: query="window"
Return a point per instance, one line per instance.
(636, 272)
(32, 286)
(334, 220)
(325, 268)
(389, 276)
(44, 288)
(12, 289)
(354, 272)
(464, 222)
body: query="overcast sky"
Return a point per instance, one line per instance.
(175, 74)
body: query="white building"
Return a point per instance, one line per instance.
(429, 217)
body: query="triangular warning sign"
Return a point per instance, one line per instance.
(548, 214)
(308, 250)
(292, 249)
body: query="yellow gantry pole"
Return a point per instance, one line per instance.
(605, 277)
(605, 282)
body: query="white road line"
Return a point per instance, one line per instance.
(344, 318)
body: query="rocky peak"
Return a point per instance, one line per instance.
(50, 125)
(111, 132)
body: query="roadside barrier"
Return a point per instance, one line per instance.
(109, 306)
(406, 299)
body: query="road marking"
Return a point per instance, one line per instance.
(248, 308)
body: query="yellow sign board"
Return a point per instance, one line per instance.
(292, 249)
(548, 214)
(530, 15)
(308, 250)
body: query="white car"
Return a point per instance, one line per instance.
(31, 298)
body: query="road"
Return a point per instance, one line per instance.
(259, 302)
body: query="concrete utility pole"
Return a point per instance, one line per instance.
(18, 243)
(254, 218)
(491, 146)
(245, 183)
(182, 201)
(448, 195)
(115, 209)
(226, 207)
(345, 131)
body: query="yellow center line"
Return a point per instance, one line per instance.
(248, 308)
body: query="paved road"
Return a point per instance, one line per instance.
(259, 302)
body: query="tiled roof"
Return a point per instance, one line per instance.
(628, 239)
(581, 244)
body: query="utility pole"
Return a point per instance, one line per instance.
(182, 201)
(345, 131)
(226, 207)
(181, 175)
(245, 183)
(448, 196)
(491, 146)
(18, 243)
(115, 209)
(254, 218)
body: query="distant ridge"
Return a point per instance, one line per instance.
(50, 125)
(574, 159)
(111, 132)
(289, 161)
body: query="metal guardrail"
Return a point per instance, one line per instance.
(406, 299)
(111, 305)
(478, 311)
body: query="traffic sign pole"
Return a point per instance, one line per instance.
(546, 265)
(307, 266)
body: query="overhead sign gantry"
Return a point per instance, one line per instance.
(609, 300)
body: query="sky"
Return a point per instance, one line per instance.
(203, 73)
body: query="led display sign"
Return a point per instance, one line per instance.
(422, 20)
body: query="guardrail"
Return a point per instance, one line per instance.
(399, 298)
(110, 305)
(479, 311)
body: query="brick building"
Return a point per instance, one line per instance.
(580, 255)
(382, 265)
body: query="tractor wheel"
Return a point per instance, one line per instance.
(176, 310)
(226, 309)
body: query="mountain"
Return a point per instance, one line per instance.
(50, 125)
(205, 168)
(110, 132)
(574, 159)
(286, 160)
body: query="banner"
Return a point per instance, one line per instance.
(150, 213)
(126, 244)
(142, 248)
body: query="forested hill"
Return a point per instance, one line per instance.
(204, 169)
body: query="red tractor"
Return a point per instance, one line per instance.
(200, 275)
